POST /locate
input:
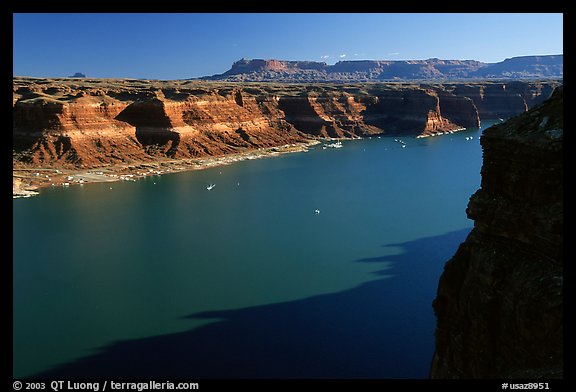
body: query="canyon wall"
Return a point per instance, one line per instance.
(95, 122)
(109, 122)
(503, 100)
(499, 301)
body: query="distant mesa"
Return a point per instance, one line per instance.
(259, 70)
(78, 75)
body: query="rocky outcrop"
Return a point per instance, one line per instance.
(393, 111)
(127, 123)
(259, 70)
(83, 132)
(399, 112)
(95, 122)
(499, 300)
(460, 110)
(524, 67)
(493, 100)
(501, 100)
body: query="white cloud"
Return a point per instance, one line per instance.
(356, 55)
(342, 56)
(324, 57)
(393, 54)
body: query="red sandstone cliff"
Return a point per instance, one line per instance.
(101, 126)
(89, 123)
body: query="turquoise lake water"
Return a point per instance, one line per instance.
(161, 277)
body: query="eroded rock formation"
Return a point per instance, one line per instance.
(94, 122)
(504, 100)
(499, 301)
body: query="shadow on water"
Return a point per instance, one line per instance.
(381, 329)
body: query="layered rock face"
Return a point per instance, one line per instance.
(418, 110)
(90, 123)
(392, 111)
(499, 301)
(49, 130)
(504, 100)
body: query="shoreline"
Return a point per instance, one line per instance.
(440, 133)
(27, 180)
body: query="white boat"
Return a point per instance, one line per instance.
(337, 144)
(317, 211)
(209, 187)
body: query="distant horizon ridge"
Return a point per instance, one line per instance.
(519, 67)
(245, 69)
(396, 60)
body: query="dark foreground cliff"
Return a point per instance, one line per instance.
(499, 301)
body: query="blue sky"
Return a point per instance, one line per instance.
(179, 46)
